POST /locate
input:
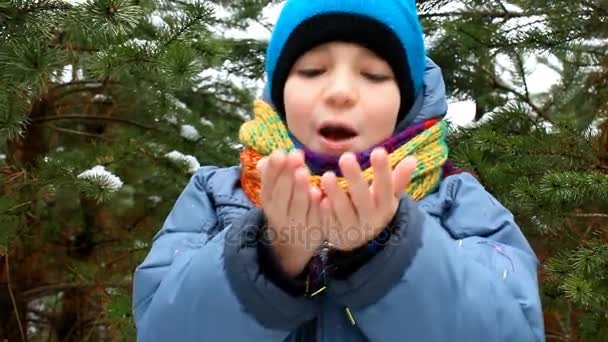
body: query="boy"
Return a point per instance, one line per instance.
(344, 221)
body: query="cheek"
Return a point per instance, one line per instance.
(298, 105)
(386, 106)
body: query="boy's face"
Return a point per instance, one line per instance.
(341, 97)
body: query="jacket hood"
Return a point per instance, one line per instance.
(432, 102)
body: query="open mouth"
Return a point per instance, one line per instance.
(337, 132)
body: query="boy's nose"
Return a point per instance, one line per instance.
(340, 91)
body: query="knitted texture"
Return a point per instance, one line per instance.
(399, 15)
(319, 163)
(347, 28)
(267, 133)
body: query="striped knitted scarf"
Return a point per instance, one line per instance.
(267, 133)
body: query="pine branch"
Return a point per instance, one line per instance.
(553, 100)
(495, 15)
(558, 337)
(584, 49)
(590, 215)
(520, 27)
(127, 254)
(88, 86)
(267, 26)
(45, 7)
(523, 97)
(59, 98)
(556, 45)
(595, 7)
(13, 177)
(40, 313)
(70, 47)
(536, 154)
(481, 14)
(49, 289)
(193, 21)
(77, 132)
(561, 44)
(577, 64)
(522, 71)
(179, 2)
(87, 83)
(17, 206)
(504, 8)
(95, 118)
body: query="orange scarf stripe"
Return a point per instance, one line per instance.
(267, 133)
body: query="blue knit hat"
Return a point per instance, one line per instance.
(390, 28)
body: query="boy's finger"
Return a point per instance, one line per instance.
(329, 222)
(340, 203)
(382, 187)
(271, 169)
(313, 220)
(298, 207)
(314, 202)
(402, 175)
(357, 186)
(283, 187)
(299, 157)
(294, 159)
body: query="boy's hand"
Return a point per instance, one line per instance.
(292, 209)
(361, 215)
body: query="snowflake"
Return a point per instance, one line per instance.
(155, 199)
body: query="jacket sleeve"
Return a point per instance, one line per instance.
(458, 270)
(191, 285)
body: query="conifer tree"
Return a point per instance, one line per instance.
(107, 107)
(544, 154)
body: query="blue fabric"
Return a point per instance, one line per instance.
(457, 269)
(473, 277)
(432, 102)
(399, 15)
(269, 304)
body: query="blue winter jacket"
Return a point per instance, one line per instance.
(457, 268)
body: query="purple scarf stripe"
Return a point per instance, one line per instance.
(320, 163)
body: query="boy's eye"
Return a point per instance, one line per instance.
(377, 78)
(310, 72)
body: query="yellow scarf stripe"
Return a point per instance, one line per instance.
(267, 133)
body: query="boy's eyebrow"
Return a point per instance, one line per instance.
(313, 55)
(369, 53)
(319, 49)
